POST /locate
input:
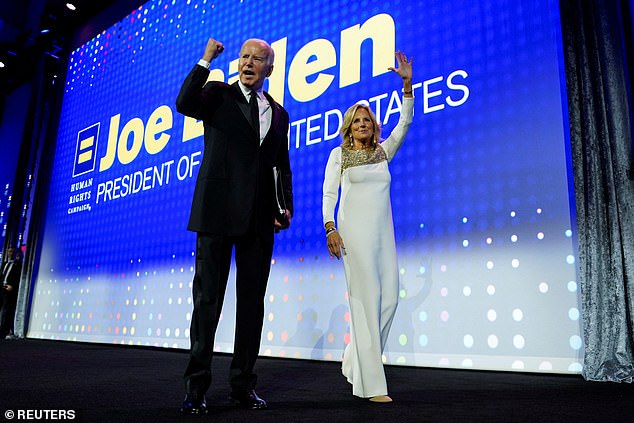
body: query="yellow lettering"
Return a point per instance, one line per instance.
(381, 30)
(134, 127)
(276, 80)
(216, 75)
(192, 128)
(113, 137)
(318, 55)
(301, 67)
(159, 121)
(233, 69)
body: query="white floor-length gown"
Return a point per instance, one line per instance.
(364, 221)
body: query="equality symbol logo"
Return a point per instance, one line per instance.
(86, 150)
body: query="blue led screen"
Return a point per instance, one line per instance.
(479, 189)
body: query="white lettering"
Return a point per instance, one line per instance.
(141, 180)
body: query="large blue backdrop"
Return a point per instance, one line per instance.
(480, 188)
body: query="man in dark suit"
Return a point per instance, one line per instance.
(10, 279)
(245, 137)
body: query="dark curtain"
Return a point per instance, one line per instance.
(40, 141)
(597, 45)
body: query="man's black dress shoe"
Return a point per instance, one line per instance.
(194, 405)
(248, 399)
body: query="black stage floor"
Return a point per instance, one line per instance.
(106, 383)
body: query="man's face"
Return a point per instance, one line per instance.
(10, 252)
(253, 66)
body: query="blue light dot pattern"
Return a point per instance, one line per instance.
(479, 190)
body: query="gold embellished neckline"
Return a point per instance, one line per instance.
(353, 158)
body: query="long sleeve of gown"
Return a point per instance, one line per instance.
(332, 179)
(396, 138)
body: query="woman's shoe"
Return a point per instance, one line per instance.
(381, 398)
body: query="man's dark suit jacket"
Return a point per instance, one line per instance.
(9, 299)
(235, 179)
(13, 278)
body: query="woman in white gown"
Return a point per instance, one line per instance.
(365, 234)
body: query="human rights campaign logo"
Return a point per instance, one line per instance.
(86, 150)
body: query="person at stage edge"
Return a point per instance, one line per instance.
(245, 138)
(11, 273)
(364, 237)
